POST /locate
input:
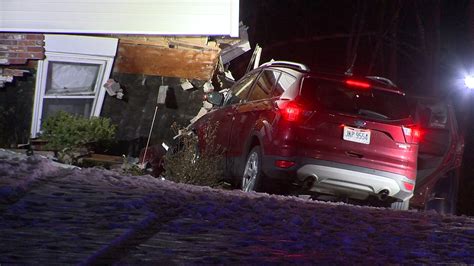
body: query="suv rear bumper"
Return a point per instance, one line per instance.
(341, 179)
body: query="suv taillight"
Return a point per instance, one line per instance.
(291, 111)
(412, 134)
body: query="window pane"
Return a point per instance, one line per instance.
(81, 107)
(337, 96)
(264, 85)
(284, 86)
(241, 89)
(65, 78)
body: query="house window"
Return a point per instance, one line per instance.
(70, 82)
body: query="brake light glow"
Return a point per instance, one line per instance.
(408, 186)
(412, 134)
(356, 83)
(291, 112)
(284, 163)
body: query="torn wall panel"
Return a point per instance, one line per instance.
(169, 62)
(234, 47)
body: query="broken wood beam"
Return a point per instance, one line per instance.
(165, 61)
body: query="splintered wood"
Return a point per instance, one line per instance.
(159, 60)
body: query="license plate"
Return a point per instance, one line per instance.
(358, 135)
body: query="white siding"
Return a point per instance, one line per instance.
(86, 45)
(160, 17)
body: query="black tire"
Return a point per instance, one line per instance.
(252, 176)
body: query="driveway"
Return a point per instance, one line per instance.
(50, 213)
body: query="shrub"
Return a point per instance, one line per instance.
(187, 163)
(67, 134)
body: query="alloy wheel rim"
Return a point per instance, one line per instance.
(250, 173)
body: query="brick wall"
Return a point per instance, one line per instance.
(17, 48)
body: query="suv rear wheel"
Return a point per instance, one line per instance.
(253, 175)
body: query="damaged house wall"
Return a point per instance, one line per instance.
(16, 107)
(148, 55)
(134, 113)
(17, 83)
(143, 65)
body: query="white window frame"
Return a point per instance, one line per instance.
(86, 54)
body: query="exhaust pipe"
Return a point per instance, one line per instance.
(309, 182)
(383, 194)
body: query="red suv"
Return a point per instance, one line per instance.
(284, 126)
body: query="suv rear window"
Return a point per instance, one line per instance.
(337, 96)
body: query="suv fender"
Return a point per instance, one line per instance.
(238, 163)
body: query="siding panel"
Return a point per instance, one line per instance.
(160, 17)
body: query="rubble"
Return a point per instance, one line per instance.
(8, 74)
(113, 89)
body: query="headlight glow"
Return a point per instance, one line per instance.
(469, 82)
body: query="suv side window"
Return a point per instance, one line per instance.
(284, 84)
(241, 89)
(264, 85)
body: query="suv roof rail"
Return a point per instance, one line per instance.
(286, 63)
(383, 80)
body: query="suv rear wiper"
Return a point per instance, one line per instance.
(372, 114)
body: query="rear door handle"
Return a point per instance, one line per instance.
(354, 154)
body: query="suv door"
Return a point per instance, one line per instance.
(439, 156)
(249, 116)
(223, 116)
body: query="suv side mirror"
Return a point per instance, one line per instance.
(215, 98)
